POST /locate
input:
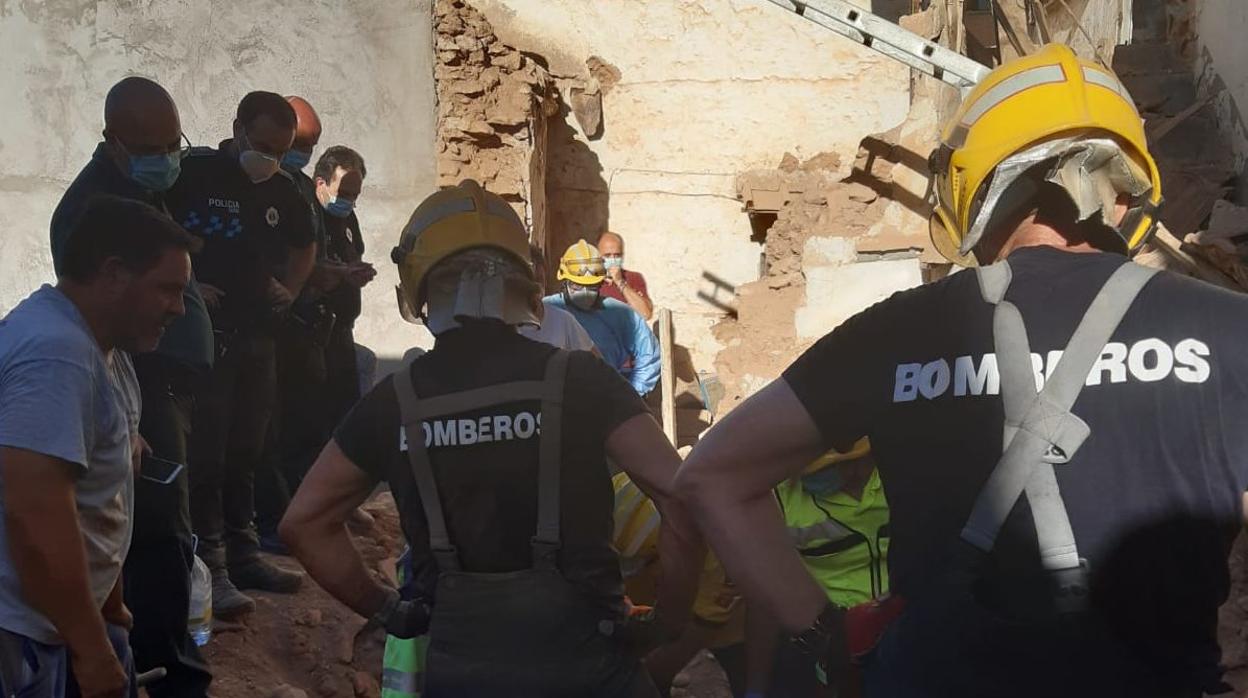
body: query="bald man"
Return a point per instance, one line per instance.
(139, 158)
(624, 286)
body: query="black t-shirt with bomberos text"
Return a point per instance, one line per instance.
(247, 229)
(485, 461)
(1153, 495)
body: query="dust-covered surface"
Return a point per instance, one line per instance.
(308, 644)
(308, 641)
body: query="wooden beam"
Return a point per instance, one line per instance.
(668, 376)
(1008, 28)
(1172, 247)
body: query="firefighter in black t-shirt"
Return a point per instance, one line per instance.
(495, 449)
(1059, 433)
(258, 251)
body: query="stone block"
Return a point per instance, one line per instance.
(822, 252)
(836, 293)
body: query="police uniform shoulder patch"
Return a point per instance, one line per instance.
(271, 217)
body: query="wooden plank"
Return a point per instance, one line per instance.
(1008, 28)
(1170, 245)
(1157, 129)
(668, 376)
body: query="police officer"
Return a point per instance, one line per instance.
(296, 434)
(339, 177)
(1063, 500)
(318, 376)
(140, 158)
(258, 251)
(498, 468)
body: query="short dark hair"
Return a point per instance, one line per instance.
(270, 104)
(111, 226)
(335, 157)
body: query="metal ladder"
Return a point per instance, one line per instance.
(856, 24)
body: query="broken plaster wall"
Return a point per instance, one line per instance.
(493, 103)
(1221, 64)
(370, 78)
(692, 92)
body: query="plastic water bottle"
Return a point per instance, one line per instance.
(199, 614)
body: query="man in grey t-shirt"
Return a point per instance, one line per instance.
(67, 418)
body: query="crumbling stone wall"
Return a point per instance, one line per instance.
(493, 102)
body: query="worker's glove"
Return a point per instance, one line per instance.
(403, 619)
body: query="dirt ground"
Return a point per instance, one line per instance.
(309, 644)
(308, 641)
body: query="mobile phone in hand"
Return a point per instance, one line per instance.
(159, 470)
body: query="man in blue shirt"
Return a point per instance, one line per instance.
(140, 158)
(621, 335)
(67, 452)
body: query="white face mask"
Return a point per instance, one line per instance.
(258, 166)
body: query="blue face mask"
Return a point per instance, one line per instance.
(823, 483)
(613, 262)
(297, 159)
(339, 208)
(156, 172)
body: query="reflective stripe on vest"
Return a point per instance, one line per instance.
(630, 502)
(821, 533)
(843, 541)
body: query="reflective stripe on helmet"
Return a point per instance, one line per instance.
(1109, 82)
(1044, 75)
(501, 209)
(434, 214)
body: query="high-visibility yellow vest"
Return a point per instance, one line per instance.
(842, 540)
(718, 604)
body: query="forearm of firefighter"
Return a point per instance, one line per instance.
(727, 482)
(639, 447)
(762, 635)
(315, 529)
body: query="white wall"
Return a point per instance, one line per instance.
(1222, 60)
(708, 88)
(365, 66)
